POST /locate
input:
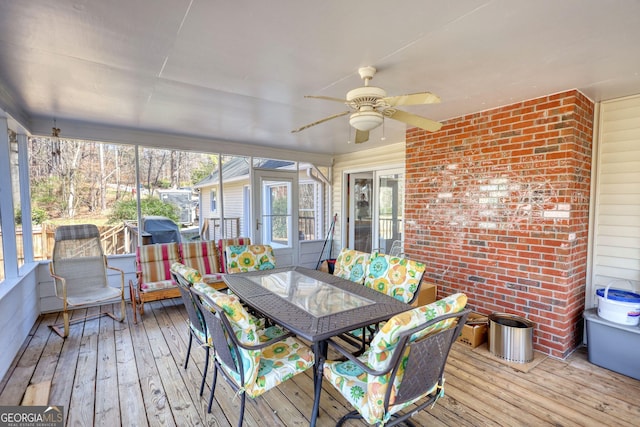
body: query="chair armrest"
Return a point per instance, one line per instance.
(355, 360)
(119, 270)
(263, 344)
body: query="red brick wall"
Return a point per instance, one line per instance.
(497, 205)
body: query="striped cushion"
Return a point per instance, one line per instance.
(222, 245)
(203, 256)
(154, 265)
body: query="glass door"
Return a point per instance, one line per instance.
(375, 206)
(390, 225)
(274, 215)
(361, 210)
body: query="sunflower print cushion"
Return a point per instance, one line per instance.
(366, 392)
(190, 274)
(266, 368)
(394, 276)
(350, 265)
(243, 258)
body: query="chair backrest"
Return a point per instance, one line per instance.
(78, 257)
(229, 327)
(396, 248)
(185, 277)
(202, 255)
(411, 349)
(154, 261)
(395, 276)
(243, 258)
(222, 245)
(351, 265)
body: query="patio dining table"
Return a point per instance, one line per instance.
(314, 305)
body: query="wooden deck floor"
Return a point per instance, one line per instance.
(109, 373)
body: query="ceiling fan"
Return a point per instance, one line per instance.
(370, 105)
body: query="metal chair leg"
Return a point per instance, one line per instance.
(186, 359)
(206, 367)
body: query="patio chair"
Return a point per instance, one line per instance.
(203, 256)
(394, 276)
(251, 361)
(79, 269)
(243, 258)
(404, 365)
(153, 275)
(351, 265)
(222, 246)
(396, 248)
(186, 277)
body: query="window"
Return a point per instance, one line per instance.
(307, 210)
(213, 198)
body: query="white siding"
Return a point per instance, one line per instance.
(18, 313)
(389, 156)
(616, 219)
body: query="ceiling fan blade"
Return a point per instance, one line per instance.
(413, 99)
(344, 113)
(417, 121)
(327, 98)
(362, 136)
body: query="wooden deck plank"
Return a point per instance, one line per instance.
(21, 373)
(65, 370)
(37, 394)
(138, 373)
(174, 386)
(130, 398)
(83, 398)
(107, 410)
(153, 394)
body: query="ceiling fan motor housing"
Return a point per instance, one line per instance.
(365, 100)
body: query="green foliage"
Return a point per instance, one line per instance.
(127, 210)
(38, 216)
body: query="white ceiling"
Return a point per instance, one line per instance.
(238, 70)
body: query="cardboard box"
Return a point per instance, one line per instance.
(474, 332)
(427, 295)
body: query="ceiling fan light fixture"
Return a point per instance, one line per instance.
(366, 120)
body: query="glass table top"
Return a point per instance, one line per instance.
(312, 295)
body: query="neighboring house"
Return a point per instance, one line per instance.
(234, 199)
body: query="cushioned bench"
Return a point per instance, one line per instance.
(153, 269)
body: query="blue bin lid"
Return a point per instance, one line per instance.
(619, 295)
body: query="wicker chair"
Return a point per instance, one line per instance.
(79, 269)
(404, 364)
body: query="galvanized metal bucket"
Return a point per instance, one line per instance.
(511, 337)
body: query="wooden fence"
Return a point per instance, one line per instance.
(112, 236)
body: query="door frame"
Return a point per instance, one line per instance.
(284, 255)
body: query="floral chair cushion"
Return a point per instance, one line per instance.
(395, 276)
(266, 368)
(222, 246)
(243, 258)
(190, 274)
(366, 392)
(351, 265)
